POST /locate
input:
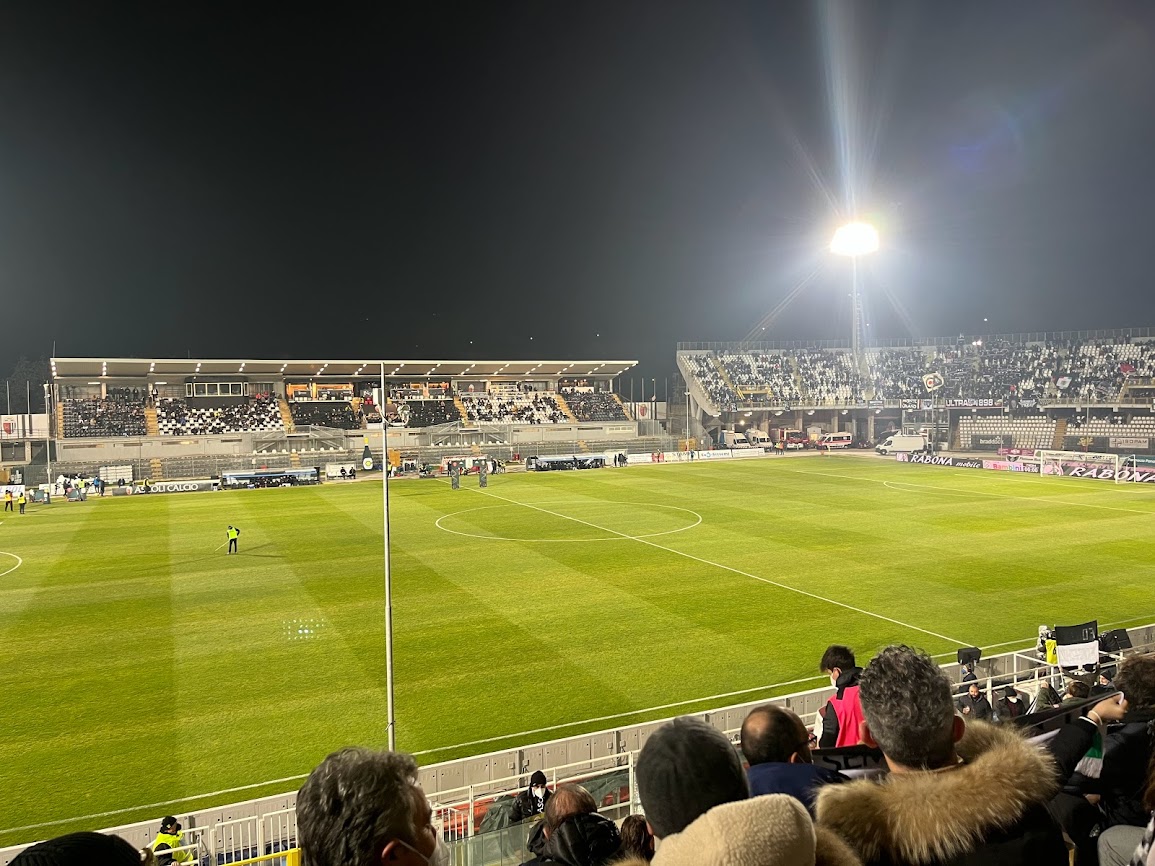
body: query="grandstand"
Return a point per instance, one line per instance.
(1026, 391)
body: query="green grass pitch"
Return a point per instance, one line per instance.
(140, 666)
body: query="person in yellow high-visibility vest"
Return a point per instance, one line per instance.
(233, 534)
(166, 840)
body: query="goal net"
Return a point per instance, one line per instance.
(1081, 464)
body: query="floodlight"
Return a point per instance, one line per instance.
(854, 239)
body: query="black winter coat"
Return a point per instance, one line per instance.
(583, 840)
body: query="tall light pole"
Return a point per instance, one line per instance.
(853, 240)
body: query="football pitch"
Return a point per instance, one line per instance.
(141, 667)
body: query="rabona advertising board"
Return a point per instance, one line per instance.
(968, 462)
(1102, 473)
(195, 486)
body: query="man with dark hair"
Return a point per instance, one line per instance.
(974, 704)
(364, 808)
(685, 769)
(532, 800)
(956, 794)
(776, 746)
(842, 715)
(76, 848)
(572, 832)
(1010, 705)
(168, 839)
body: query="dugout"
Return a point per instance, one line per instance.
(270, 478)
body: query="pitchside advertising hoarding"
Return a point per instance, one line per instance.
(1067, 468)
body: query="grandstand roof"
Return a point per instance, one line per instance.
(137, 368)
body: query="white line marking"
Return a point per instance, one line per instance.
(437, 523)
(153, 805)
(19, 562)
(738, 571)
(901, 485)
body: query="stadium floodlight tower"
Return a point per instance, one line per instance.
(853, 240)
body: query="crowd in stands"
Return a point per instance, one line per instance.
(1017, 374)
(957, 784)
(118, 414)
(513, 407)
(594, 405)
(337, 414)
(176, 417)
(425, 413)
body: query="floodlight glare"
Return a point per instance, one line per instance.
(854, 239)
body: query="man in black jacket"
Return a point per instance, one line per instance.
(974, 704)
(957, 793)
(532, 800)
(572, 832)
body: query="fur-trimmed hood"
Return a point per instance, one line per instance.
(772, 830)
(928, 817)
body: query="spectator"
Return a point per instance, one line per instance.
(774, 830)
(360, 807)
(776, 746)
(1076, 691)
(685, 769)
(637, 840)
(1117, 783)
(974, 704)
(532, 800)
(80, 849)
(842, 715)
(1105, 684)
(956, 793)
(1114, 841)
(1010, 705)
(572, 832)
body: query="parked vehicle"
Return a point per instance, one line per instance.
(836, 440)
(901, 443)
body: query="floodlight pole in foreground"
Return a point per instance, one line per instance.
(853, 240)
(392, 729)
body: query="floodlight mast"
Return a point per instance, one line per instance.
(853, 240)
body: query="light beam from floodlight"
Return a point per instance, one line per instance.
(854, 239)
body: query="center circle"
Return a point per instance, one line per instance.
(573, 521)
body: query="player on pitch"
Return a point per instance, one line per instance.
(233, 534)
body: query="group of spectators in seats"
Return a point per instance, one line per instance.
(513, 408)
(339, 415)
(422, 413)
(588, 405)
(176, 417)
(1019, 374)
(118, 414)
(954, 791)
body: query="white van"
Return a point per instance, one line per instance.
(900, 443)
(836, 440)
(758, 439)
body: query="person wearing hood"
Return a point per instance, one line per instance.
(842, 715)
(1010, 706)
(775, 744)
(958, 793)
(532, 800)
(572, 833)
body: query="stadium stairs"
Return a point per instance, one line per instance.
(460, 406)
(564, 406)
(151, 426)
(618, 400)
(721, 368)
(59, 419)
(1060, 434)
(155, 465)
(294, 460)
(286, 414)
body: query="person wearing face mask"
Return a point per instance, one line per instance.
(842, 715)
(532, 800)
(362, 806)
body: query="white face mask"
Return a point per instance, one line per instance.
(439, 857)
(539, 793)
(834, 680)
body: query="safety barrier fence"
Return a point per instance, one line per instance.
(471, 797)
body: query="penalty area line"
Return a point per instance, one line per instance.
(729, 568)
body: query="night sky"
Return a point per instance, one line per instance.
(549, 179)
